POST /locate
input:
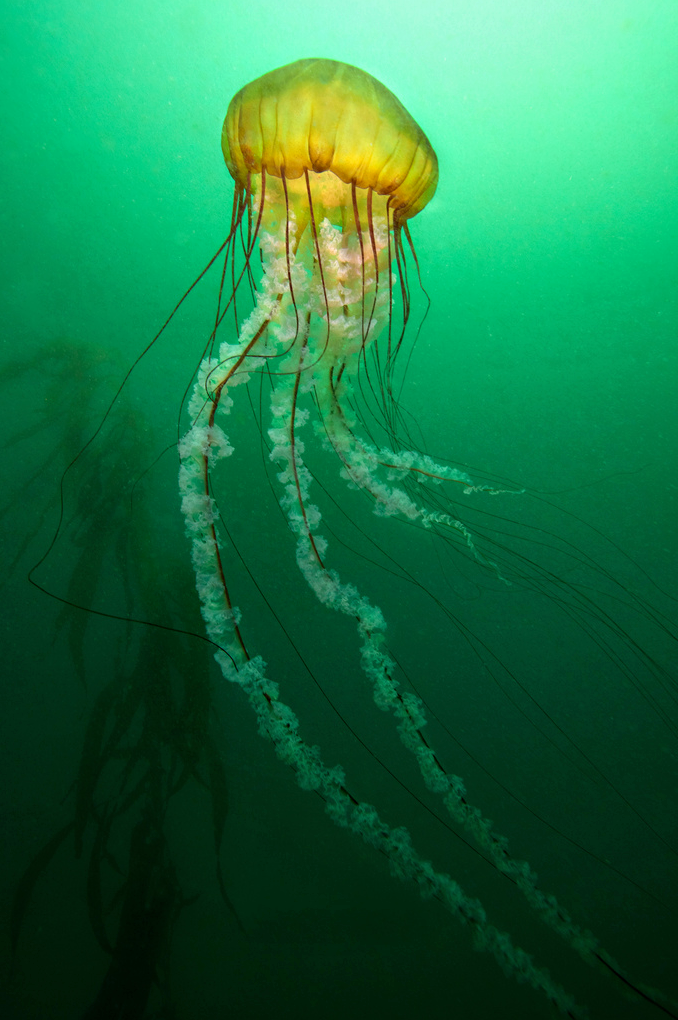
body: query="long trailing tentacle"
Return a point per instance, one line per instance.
(316, 353)
(363, 466)
(203, 445)
(380, 669)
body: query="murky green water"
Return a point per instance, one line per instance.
(547, 362)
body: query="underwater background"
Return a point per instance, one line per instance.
(547, 361)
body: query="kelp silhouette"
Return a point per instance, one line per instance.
(147, 736)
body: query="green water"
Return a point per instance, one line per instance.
(547, 361)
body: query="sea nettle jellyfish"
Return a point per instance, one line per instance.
(329, 168)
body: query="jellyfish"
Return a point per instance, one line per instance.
(329, 168)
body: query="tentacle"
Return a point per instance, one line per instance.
(206, 443)
(318, 355)
(380, 669)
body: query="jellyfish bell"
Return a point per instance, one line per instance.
(322, 116)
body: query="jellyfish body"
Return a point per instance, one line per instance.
(336, 166)
(328, 168)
